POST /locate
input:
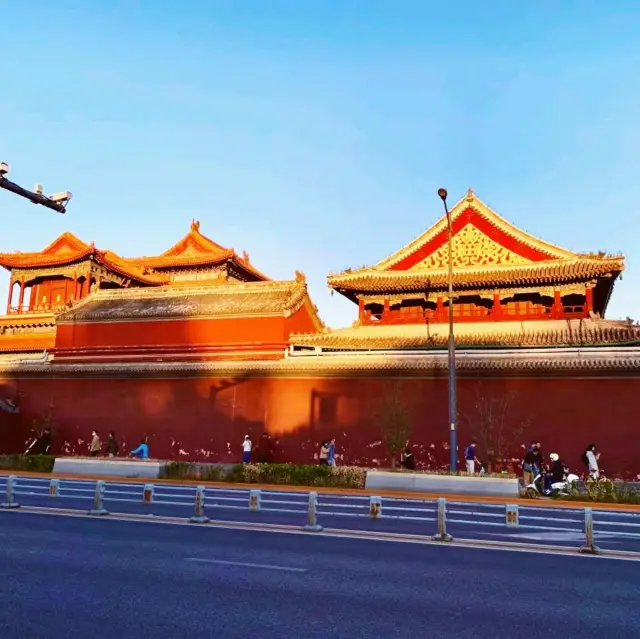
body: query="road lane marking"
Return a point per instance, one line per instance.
(242, 564)
(618, 555)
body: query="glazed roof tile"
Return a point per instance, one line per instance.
(584, 361)
(255, 298)
(545, 333)
(573, 270)
(193, 250)
(487, 251)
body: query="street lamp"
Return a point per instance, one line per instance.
(453, 409)
(56, 202)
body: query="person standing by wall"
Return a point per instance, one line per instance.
(331, 453)
(112, 445)
(96, 445)
(246, 450)
(590, 459)
(324, 454)
(470, 457)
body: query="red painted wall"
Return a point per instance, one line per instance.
(222, 331)
(207, 418)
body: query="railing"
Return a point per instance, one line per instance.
(389, 515)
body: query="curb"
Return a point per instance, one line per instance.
(361, 492)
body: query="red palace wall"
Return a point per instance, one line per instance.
(206, 418)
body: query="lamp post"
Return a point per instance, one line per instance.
(453, 409)
(56, 202)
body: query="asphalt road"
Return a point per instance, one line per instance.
(63, 577)
(538, 525)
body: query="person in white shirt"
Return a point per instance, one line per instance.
(246, 448)
(592, 461)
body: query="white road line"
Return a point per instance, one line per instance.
(245, 565)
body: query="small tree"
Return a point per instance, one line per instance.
(395, 423)
(493, 424)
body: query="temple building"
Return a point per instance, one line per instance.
(195, 348)
(510, 289)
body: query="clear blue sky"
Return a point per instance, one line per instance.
(314, 134)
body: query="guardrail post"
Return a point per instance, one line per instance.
(9, 501)
(255, 500)
(442, 534)
(589, 544)
(54, 488)
(312, 514)
(199, 517)
(147, 494)
(98, 500)
(512, 514)
(375, 507)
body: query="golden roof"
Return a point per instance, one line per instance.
(193, 250)
(234, 299)
(28, 332)
(487, 251)
(577, 361)
(560, 271)
(556, 333)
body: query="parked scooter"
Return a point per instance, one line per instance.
(560, 488)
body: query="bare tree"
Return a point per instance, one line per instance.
(395, 422)
(494, 425)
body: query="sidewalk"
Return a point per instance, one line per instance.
(538, 503)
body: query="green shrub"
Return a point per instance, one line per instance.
(30, 463)
(281, 474)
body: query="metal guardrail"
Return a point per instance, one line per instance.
(396, 509)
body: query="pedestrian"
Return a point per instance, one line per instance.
(590, 460)
(331, 453)
(528, 465)
(112, 445)
(246, 450)
(96, 445)
(470, 457)
(142, 451)
(324, 453)
(407, 460)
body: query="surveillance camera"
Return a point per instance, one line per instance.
(4, 168)
(62, 197)
(38, 189)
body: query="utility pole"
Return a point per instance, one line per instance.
(57, 202)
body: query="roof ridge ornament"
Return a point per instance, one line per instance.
(195, 226)
(470, 194)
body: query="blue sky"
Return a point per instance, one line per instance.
(314, 134)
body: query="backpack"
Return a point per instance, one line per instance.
(584, 459)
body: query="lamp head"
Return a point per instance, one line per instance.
(442, 193)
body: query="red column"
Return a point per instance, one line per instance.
(21, 298)
(557, 304)
(588, 296)
(386, 310)
(439, 309)
(361, 310)
(11, 283)
(496, 311)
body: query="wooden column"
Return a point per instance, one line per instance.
(496, 311)
(33, 301)
(21, 298)
(439, 309)
(11, 283)
(361, 310)
(386, 310)
(588, 300)
(557, 304)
